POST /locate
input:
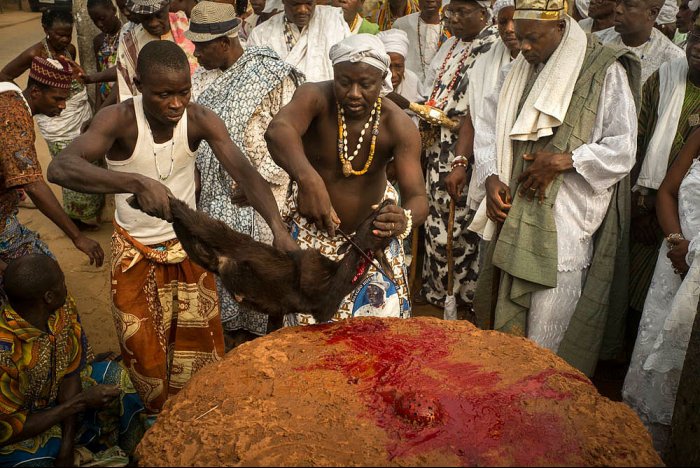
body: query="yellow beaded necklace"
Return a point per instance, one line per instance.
(346, 160)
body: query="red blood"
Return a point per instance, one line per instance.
(424, 402)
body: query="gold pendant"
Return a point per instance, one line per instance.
(694, 120)
(347, 169)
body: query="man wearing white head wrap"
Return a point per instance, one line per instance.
(335, 139)
(446, 88)
(364, 48)
(634, 29)
(666, 21)
(404, 81)
(426, 32)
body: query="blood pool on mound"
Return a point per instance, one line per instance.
(396, 392)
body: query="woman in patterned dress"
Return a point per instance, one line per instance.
(104, 14)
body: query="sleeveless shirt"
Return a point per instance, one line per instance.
(172, 161)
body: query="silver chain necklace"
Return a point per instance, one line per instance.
(155, 155)
(172, 160)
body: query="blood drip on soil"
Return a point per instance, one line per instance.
(425, 403)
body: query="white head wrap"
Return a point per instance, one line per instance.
(272, 5)
(501, 4)
(365, 48)
(668, 12)
(582, 7)
(395, 41)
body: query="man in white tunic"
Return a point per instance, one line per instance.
(404, 81)
(303, 36)
(564, 126)
(426, 33)
(634, 29)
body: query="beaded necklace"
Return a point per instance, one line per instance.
(155, 155)
(346, 160)
(289, 36)
(438, 87)
(354, 23)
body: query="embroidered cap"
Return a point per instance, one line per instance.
(146, 7)
(210, 20)
(51, 72)
(543, 10)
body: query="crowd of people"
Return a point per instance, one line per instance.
(541, 160)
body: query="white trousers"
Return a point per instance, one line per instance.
(551, 310)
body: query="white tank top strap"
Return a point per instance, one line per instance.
(172, 163)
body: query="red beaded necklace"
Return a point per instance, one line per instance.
(465, 54)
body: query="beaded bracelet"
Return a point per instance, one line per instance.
(409, 225)
(676, 236)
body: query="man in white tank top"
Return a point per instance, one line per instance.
(165, 307)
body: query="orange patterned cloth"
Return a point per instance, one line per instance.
(18, 161)
(166, 312)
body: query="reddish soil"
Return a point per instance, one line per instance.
(394, 392)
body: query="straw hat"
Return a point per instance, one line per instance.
(210, 20)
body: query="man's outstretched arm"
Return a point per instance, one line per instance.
(72, 167)
(284, 140)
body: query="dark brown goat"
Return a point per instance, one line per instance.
(265, 278)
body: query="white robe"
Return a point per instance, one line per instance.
(582, 200)
(409, 87)
(671, 304)
(310, 53)
(657, 50)
(482, 82)
(586, 24)
(429, 41)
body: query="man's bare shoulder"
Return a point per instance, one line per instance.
(198, 115)
(316, 93)
(117, 117)
(396, 119)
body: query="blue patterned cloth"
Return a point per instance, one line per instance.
(234, 96)
(119, 423)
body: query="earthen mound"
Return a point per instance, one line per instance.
(394, 392)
